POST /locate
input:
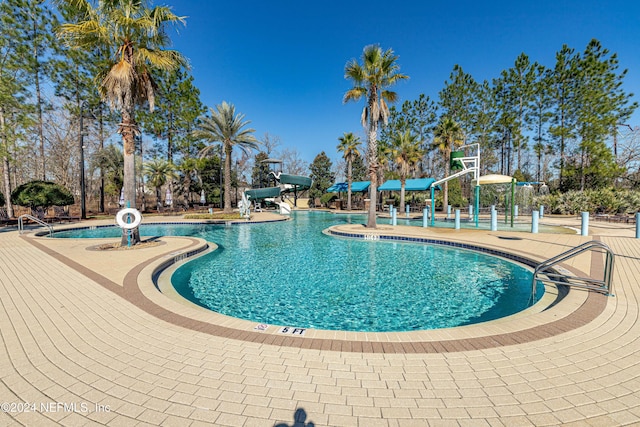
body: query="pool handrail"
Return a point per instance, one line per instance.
(553, 276)
(34, 219)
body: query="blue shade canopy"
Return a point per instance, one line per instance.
(420, 184)
(356, 187)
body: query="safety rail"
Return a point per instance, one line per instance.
(34, 219)
(557, 277)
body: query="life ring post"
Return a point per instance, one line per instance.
(128, 218)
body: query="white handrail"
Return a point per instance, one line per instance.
(35, 219)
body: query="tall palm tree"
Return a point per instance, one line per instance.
(349, 144)
(406, 155)
(158, 172)
(448, 135)
(135, 37)
(371, 79)
(226, 127)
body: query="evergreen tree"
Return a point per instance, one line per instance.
(563, 89)
(36, 24)
(457, 99)
(484, 122)
(519, 80)
(540, 114)
(178, 107)
(260, 171)
(600, 103)
(15, 112)
(321, 175)
(505, 120)
(359, 169)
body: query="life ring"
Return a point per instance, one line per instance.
(137, 218)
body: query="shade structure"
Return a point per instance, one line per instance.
(494, 179)
(419, 184)
(356, 187)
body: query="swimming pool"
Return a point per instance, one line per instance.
(290, 274)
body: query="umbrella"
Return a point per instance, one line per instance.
(169, 197)
(203, 199)
(121, 202)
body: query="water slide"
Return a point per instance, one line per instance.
(288, 183)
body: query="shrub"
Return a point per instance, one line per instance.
(41, 194)
(603, 200)
(327, 197)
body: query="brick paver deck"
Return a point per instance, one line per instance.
(85, 338)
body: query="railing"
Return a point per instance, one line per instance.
(553, 276)
(34, 219)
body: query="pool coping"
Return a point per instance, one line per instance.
(139, 281)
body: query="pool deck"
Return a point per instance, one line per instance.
(87, 339)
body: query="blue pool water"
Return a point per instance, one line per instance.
(290, 274)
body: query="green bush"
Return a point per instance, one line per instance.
(223, 216)
(327, 197)
(41, 194)
(604, 200)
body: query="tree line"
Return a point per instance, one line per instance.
(558, 124)
(563, 124)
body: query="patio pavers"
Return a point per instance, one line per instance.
(67, 338)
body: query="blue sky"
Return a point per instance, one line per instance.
(282, 62)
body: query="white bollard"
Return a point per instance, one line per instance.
(584, 227)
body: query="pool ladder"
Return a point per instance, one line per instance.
(34, 219)
(554, 276)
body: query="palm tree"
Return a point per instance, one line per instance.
(226, 127)
(158, 172)
(134, 35)
(349, 144)
(371, 79)
(448, 135)
(406, 153)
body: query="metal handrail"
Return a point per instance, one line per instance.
(599, 285)
(35, 219)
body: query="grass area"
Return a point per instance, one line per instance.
(219, 215)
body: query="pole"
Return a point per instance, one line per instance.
(584, 226)
(433, 206)
(494, 219)
(237, 182)
(513, 196)
(83, 207)
(477, 212)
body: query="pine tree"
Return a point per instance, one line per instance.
(563, 88)
(457, 99)
(15, 112)
(178, 107)
(540, 114)
(321, 175)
